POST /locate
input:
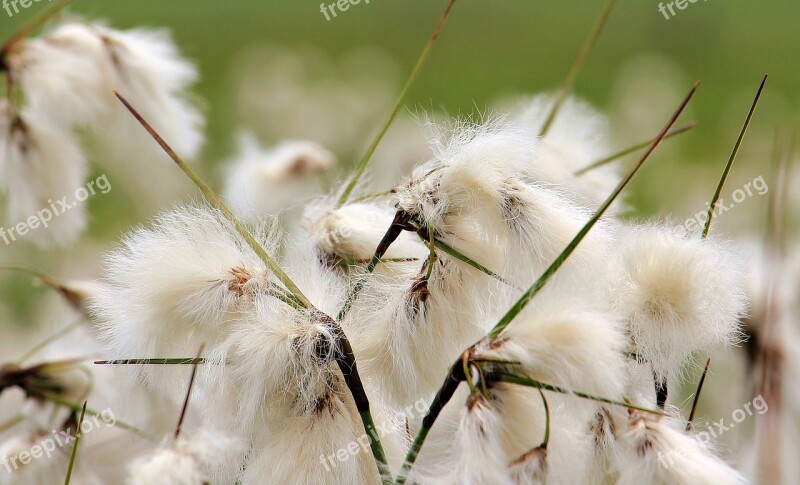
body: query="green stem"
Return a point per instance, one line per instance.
(174, 361)
(528, 382)
(546, 439)
(75, 444)
(718, 192)
(362, 166)
(635, 148)
(566, 87)
(454, 378)
(456, 373)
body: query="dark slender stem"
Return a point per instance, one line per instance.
(345, 358)
(454, 378)
(188, 394)
(296, 297)
(399, 224)
(697, 395)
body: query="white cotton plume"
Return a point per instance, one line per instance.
(479, 196)
(185, 461)
(177, 285)
(482, 457)
(469, 168)
(43, 167)
(658, 452)
(563, 345)
(410, 333)
(578, 137)
(677, 293)
(146, 67)
(324, 446)
(354, 231)
(263, 181)
(63, 74)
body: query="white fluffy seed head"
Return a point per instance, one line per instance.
(263, 181)
(559, 344)
(63, 74)
(467, 170)
(146, 67)
(185, 461)
(410, 334)
(578, 137)
(280, 360)
(43, 167)
(678, 294)
(657, 451)
(177, 285)
(354, 231)
(326, 446)
(480, 196)
(482, 457)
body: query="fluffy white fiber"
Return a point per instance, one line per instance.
(679, 294)
(263, 181)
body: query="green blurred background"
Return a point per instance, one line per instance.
(490, 50)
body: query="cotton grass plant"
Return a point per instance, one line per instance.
(496, 283)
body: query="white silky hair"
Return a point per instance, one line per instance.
(63, 75)
(146, 67)
(482, 459)
(578, 137)
(354, 231)
(265, 180)
(179, 284)
(679, 294)
(42, 164)
(657, 451)
(559, 343)
(84, 62)
(410, 341)
(325, 446)
(480, 196)
(187, 460)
